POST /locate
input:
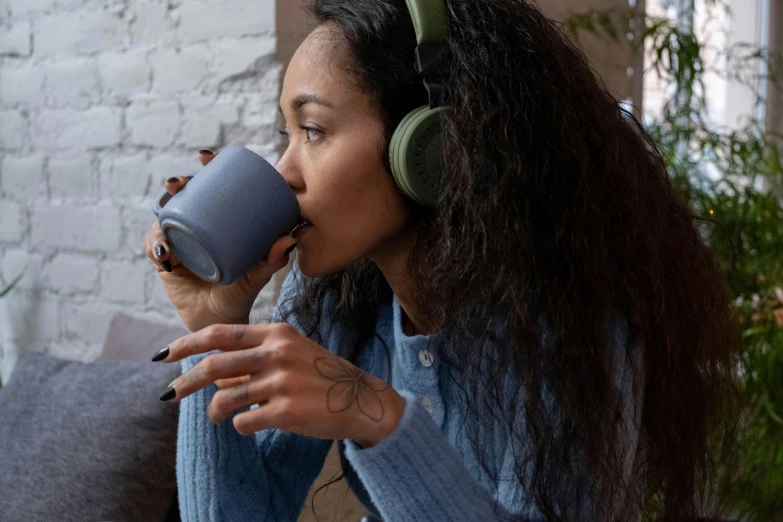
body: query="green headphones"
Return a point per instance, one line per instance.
(415, 150)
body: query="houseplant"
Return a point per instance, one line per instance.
(733, 178)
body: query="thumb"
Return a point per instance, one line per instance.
(277, 258)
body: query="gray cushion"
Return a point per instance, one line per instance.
(87, 441)
(132, 339)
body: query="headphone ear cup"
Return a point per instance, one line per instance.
(397, 150)
(417, 155)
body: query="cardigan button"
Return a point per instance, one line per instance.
(425, 357)
(427, 403)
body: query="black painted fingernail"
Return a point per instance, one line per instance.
(206, 152)
(169, 394)
(291, 248)
(166, 265)
(172, 180)
(160, 250)
(162, 354)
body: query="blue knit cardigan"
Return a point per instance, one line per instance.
(425, 470)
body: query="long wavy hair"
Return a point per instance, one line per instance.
(555, 203)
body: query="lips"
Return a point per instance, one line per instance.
(300, 225)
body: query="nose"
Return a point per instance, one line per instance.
(286, 169)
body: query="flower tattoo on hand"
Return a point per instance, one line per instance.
(352, 385)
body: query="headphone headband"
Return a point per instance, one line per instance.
(431, 59)
(415, 151)
(430, 21)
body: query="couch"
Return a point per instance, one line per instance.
(91, 441)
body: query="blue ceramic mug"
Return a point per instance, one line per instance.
(228, 216)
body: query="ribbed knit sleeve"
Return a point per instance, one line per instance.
(416, 474)
(223, 475)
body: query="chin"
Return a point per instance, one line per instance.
(314, 266)
(308, 268)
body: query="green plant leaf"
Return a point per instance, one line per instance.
(12, 285)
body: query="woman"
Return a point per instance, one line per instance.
(551, 341)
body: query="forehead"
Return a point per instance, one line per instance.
(318, 68)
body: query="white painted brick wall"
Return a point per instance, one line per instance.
(100, 102)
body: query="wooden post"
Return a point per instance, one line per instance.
(637, 63)
(610, 60)
(774, 98)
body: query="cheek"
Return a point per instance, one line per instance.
(359, 204)
(355, 182)
(365, 204)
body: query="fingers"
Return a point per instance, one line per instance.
(235, 381)
(276, 259)
(255, 391)
(225, 337)
(280, 250)
(158, 250)
(205, 156)
(175, 183)
(155, 244)
(223, 366)
(276, 413)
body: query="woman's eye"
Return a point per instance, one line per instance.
(307, 130)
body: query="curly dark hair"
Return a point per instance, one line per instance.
(555, 204)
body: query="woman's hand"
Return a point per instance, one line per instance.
(300, 386)
(200, 303)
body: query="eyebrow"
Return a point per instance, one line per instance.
(304, 99)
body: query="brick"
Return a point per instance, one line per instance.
(201, 20)
(92, 74)
(11, 221)
(15, 41)
(164, 166)
(71, 176)
(126, 177)
(9, 359)
(267, 85)
(22, 8)
(88, 322)
(138, 221)
(13, 126)
(17, 262)
(175, 69)
(79, 33)
(23, 177)
(258, 113)
(71, 83)
(89, 229)
(67, 129)
(124, 282)
(237, 57)
(70, 274)
(22, 84)
(157, 292)
(124, 74)
(201, 126)
(33, 319)
(150, 23)
(154, 124)
(116, 7)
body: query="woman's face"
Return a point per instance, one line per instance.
(334, 163)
